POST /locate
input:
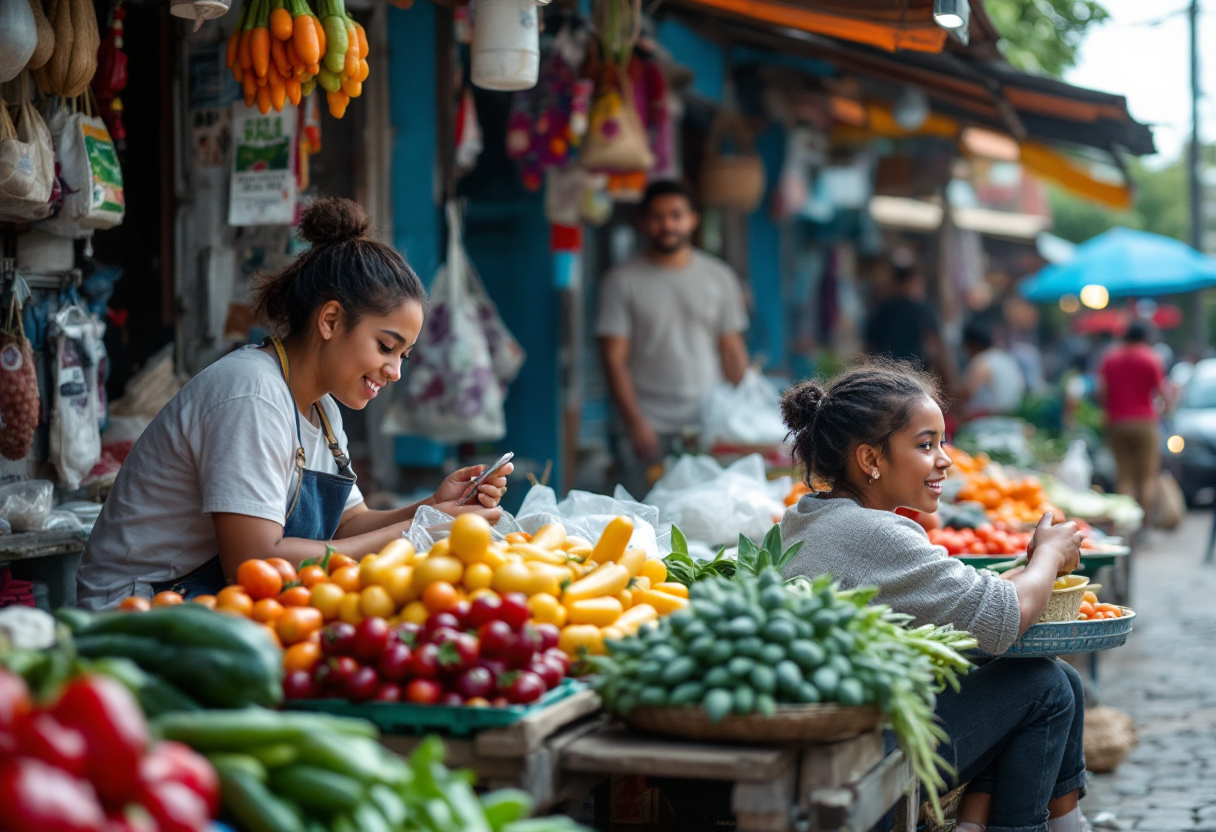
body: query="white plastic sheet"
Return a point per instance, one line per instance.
(587, 515)
(746, 414)
(715, 505)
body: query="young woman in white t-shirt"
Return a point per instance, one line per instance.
(249, 459)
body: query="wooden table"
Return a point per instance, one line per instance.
(846, 785)
(49, 559)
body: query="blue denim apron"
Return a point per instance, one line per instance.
(313, 513)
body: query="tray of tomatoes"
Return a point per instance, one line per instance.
(991, 540)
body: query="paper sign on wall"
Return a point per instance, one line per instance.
(263, 188)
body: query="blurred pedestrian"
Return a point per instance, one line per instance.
(993, 382)
(1133, 390)
(906, 327)
(671, 324)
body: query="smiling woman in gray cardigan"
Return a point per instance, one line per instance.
(872, 442)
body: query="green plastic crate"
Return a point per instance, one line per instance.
(409, 718)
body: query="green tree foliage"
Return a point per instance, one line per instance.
(1043, 36)
(1161, 206)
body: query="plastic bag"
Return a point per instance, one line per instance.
(25, 197)
(25, 505)
(1076, 471)
(1170, 508)
(453, 392)
(715, 505)
(746, 414)
(91, 174)
(75, 420)
(61, 521)
(587, 515)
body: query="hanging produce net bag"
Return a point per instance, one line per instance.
(19, 403)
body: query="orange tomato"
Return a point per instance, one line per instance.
(310, 576)
(266, 611)
(1087, 609)
(348, 578)
(297, 596)
(234, 599)
(260, 579)
(327, 598)
(135, 604)
(296, 624)
(337, 561)
(207, 601)
(286, 571)
(168, 598)
(302, 656)
(439, 596)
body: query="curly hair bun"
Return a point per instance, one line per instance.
(333, 220)
(800, 404)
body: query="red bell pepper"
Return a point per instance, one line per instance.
(114, 730)
(173, 762)
(14, 700)
(176, 807)
(37, 797)
(41, 736)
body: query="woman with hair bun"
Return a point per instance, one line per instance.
(871, 441)
(249, 459)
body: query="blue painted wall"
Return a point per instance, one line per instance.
(416, 220)
(707, 60)
(767, 335)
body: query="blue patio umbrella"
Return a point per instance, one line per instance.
(1129, 264)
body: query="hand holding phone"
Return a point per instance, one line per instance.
(483, 476)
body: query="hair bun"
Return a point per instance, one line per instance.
(333, 220)
(801, 403)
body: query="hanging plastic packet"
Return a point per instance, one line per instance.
(75, 433)
(19, 403)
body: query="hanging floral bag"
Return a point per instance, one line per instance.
(453, 392)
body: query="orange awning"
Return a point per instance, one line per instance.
(1057, 168)
(914, 32)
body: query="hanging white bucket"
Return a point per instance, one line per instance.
(506, 44)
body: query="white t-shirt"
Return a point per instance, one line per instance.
(674, 319)
(225, 443)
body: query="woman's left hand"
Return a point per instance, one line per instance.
(489, 493)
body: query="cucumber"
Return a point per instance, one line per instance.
(770, 578)
(243, 763)
(751, 646)
(678, 671)
(718, 702)
(721, 627)
(719, 677)
(771, 654)
(707, 611)
(649, 671)
(740, 667)
(841, 665)
(807, 654)
(735, 605)
(681, 618)
(824, 621)
(253, 806)
(826, 680)
(850, 692)
(653, 696)
(845, 640)
(273, 756)
(780, 631)
(696, 630)
(766, 705)
(722, 653)
(664, 653)
(686, 694)
(745, 700)
(773, 598)
(763, 679)
(316, 788)
(368, 818)
(789, 679)
(702, 647)
(808, 694)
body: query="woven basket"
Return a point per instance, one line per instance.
(734, 183)
(792, 723)
(1110, 735)
(1065, 604)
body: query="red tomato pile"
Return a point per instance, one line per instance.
(86, 764)
(480, 654)
(997, 539)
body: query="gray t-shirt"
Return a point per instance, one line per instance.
(864, 547)
(673, 319)
(225, 443)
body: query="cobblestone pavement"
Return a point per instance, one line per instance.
(1165, 678)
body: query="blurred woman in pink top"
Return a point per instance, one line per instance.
(1133, 389)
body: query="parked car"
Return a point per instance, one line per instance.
(1190, 444)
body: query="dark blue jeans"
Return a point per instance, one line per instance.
(1016, 733)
